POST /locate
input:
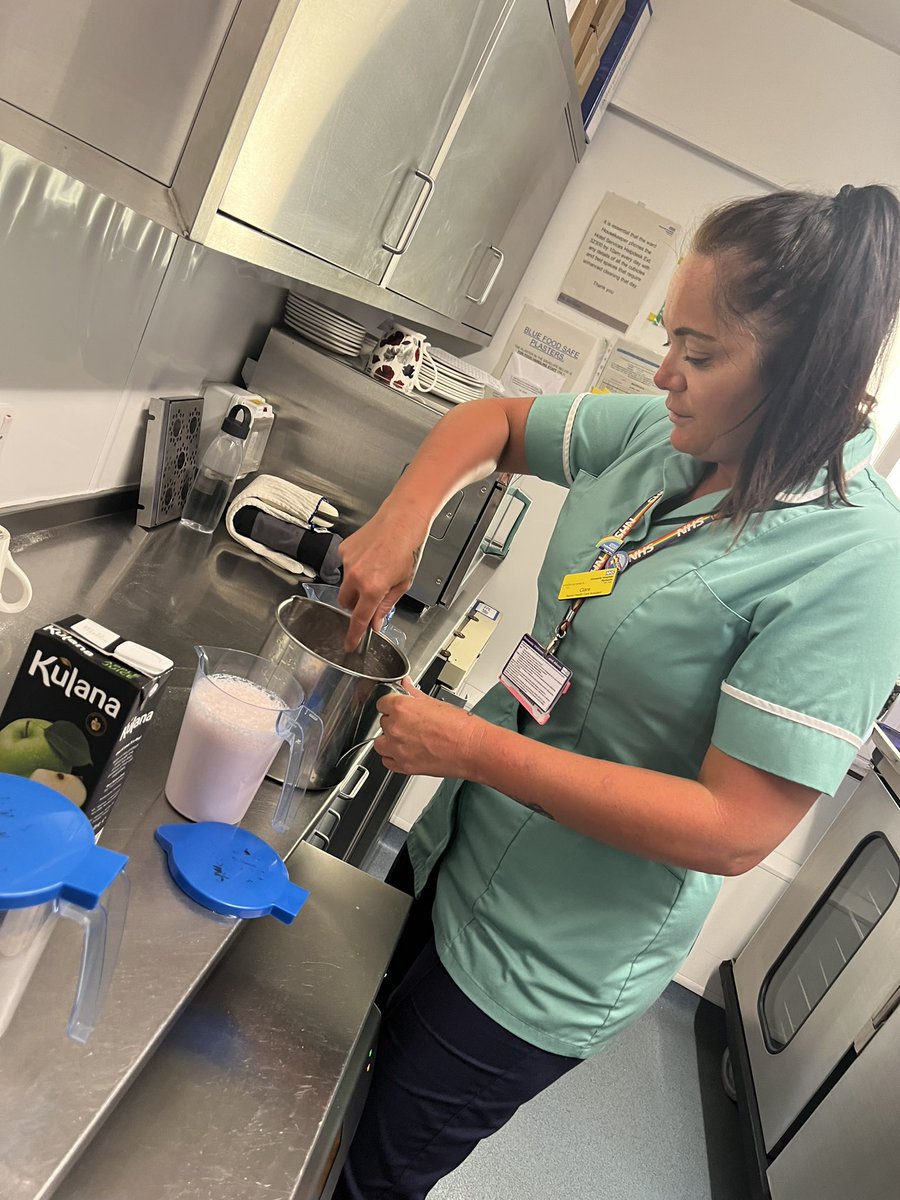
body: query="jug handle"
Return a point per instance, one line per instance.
(306, 731)
(103, 927)
(391, 687)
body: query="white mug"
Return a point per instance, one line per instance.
(398, 360)
(7, 565)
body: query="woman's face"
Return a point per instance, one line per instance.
(710, 372)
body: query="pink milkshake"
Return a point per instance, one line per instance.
(227, 742)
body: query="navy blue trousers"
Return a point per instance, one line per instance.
(446, 1075)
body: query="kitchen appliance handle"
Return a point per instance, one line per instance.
(415, 217)
(351, 792)
(875, 1022)
(498, 253)
(490, 547)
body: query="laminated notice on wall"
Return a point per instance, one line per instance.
(624, 249)
(544, 355)
(629, 370)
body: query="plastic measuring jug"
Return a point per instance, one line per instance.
(51, 867)
(241, 709)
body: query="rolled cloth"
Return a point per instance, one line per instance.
(316, 549)
(291, 506)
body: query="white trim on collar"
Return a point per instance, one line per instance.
(818, 492)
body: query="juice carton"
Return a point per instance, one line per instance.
(77, 709)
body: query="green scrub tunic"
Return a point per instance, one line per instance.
(778, 649)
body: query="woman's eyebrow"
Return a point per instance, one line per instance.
(685, 331)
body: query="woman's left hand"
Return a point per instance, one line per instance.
(424, 736)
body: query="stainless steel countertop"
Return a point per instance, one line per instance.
(232, 1101)
(168, 589)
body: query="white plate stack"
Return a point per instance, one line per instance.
(457, 380)
(323, 325)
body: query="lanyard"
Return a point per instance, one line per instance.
(612, 555)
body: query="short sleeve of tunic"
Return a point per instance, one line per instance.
(821, 658)
(587, 432)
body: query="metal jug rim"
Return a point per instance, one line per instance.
(404, 661)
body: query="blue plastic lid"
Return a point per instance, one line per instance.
(230, 870)
(47, 849)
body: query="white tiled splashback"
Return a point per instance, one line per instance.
(100, 309)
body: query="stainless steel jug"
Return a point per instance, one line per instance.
(341, 689)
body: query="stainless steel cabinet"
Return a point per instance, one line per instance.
(111, 74)
(340, 153)
(137, 98)
(354, 144)
(504, 172)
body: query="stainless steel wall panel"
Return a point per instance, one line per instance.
(100, 308)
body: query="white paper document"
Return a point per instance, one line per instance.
(629, 370)
(624, 249)
(545, 355)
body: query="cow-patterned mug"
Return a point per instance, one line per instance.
(402, 361)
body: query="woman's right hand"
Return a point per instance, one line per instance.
(380, 560)
(466, 445)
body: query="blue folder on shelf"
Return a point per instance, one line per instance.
(596, 94)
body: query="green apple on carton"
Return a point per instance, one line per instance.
(46, 751)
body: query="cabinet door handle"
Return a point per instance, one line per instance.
(498, 254)
(415, 217)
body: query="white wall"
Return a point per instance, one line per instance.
(774, 89)
(100, 309)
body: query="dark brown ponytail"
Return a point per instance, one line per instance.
(816, 280)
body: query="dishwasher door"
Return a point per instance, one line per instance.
(849, 1146)
(824, 961)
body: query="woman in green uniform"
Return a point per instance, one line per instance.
(730, 570)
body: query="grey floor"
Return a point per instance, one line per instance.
(645, 1119)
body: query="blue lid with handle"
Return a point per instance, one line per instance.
(230, 870)
(47, 849)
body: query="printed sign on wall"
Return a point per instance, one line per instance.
(624, 249)
(629, 369)
(545, 355)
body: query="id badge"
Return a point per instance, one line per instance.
(582, 584)
(536, 678)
